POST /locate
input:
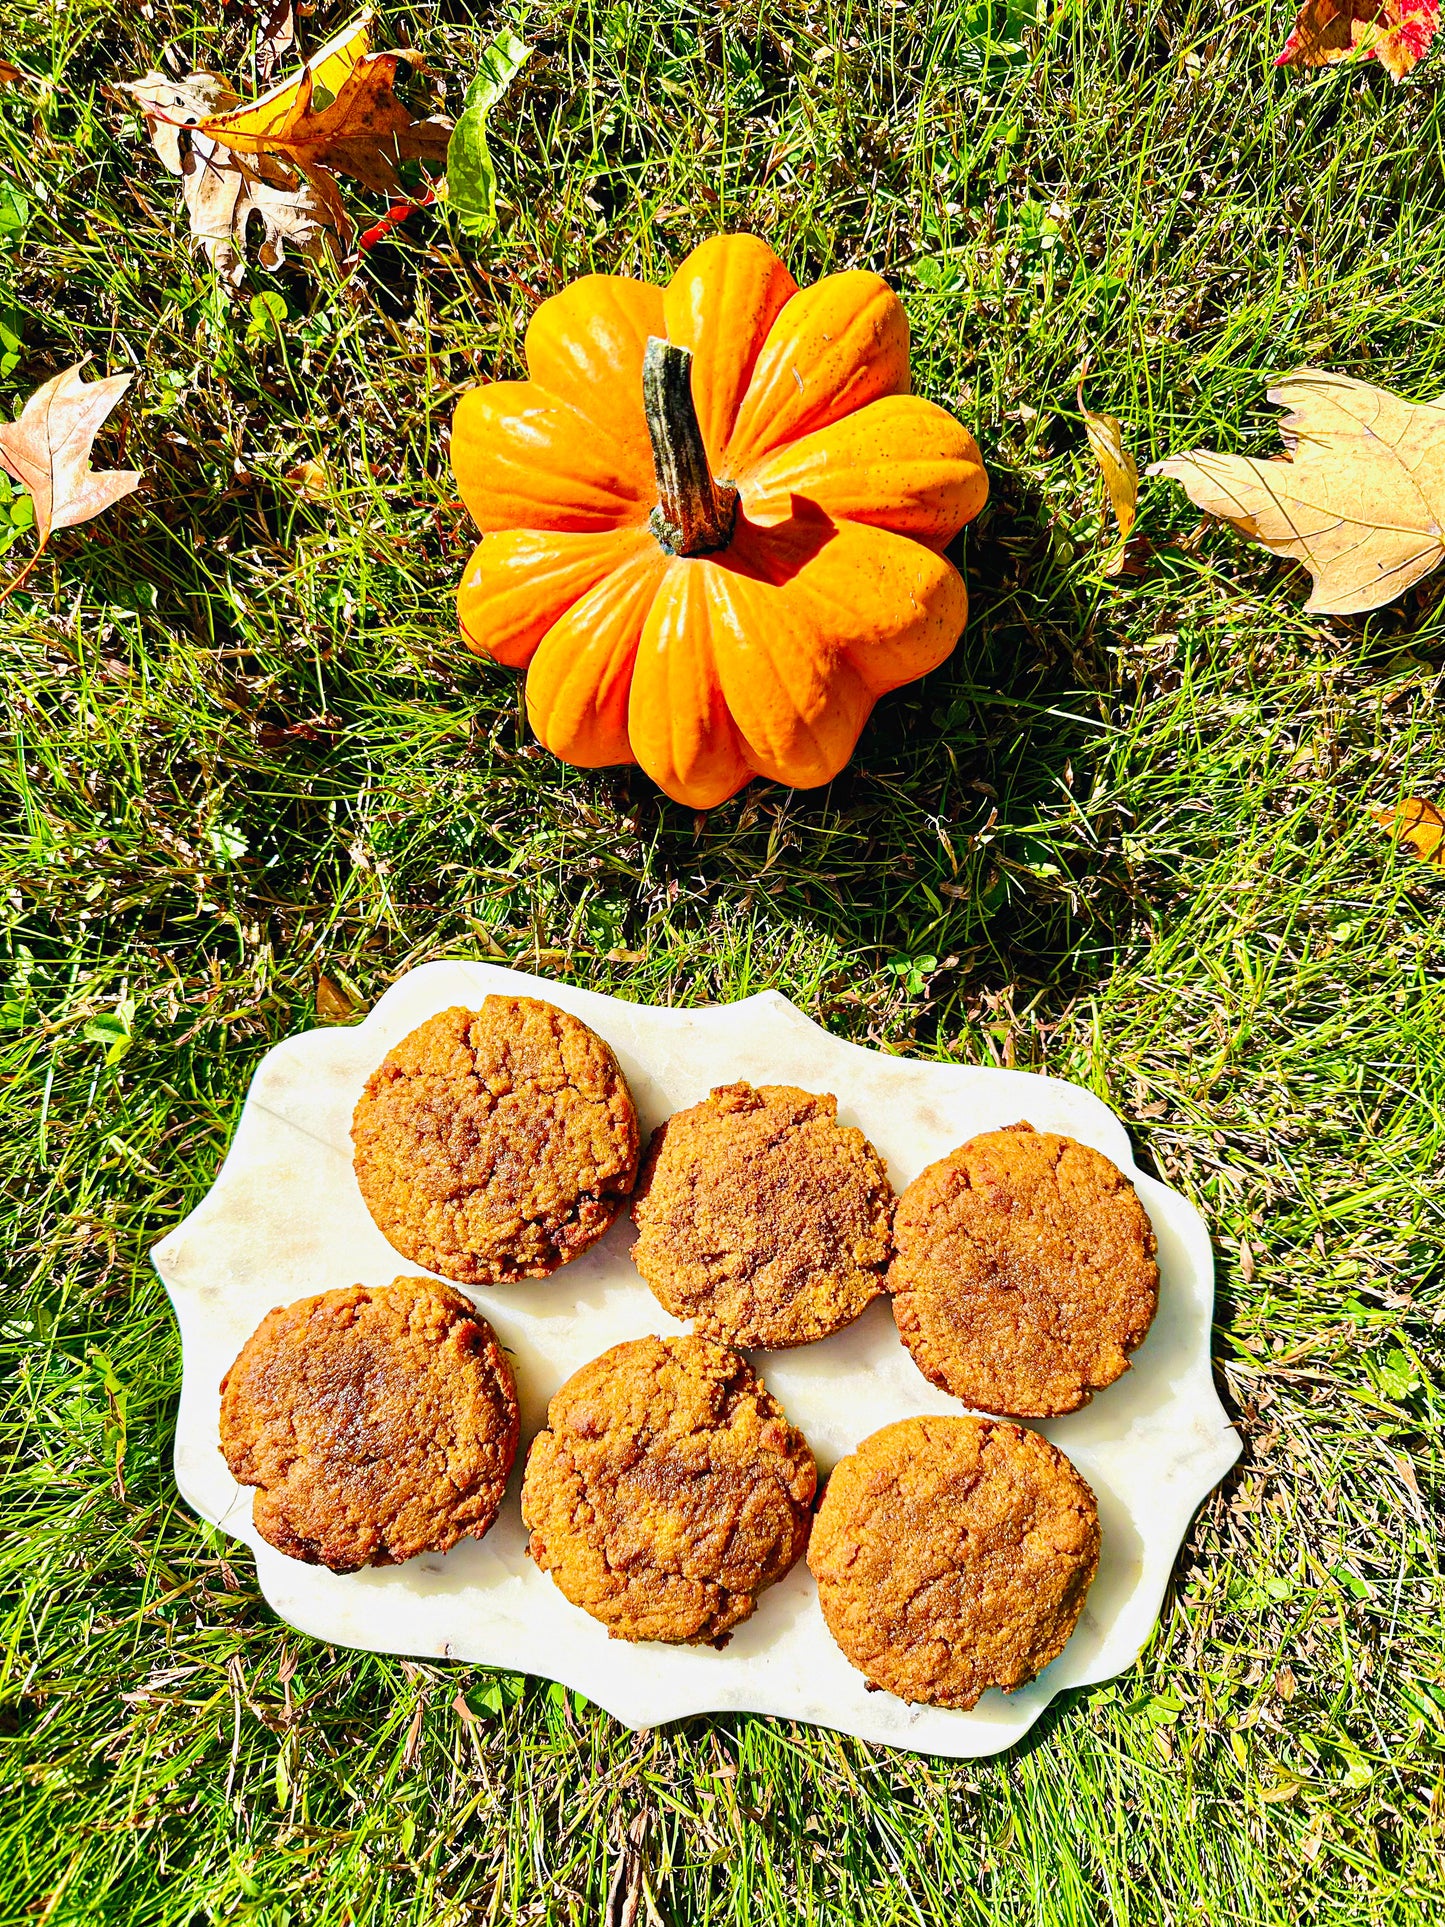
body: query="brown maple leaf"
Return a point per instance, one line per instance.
(48, 452)
(1358, 497)
(340, 113)
(1397, 33)
(224, 191)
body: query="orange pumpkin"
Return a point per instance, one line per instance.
(712, 520)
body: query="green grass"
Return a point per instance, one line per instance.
(1122, 836)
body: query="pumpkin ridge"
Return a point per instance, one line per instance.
(936, 596)
(580, 679)
(832, 349)
(520, 462)
(585, 346)
(900, 463)
(521, 582)
(679, 725)
(780, 677)
(722, 303)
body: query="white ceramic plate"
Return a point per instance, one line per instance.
(285, 1219)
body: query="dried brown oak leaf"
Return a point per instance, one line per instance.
(333, 1005)
(1397, 33)
(339, 114)
(48, 452)
(276, 38)
(224, 192)
(1358, 497)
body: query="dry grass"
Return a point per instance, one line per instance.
(1121, 836)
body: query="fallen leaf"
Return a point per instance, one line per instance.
(333, 1006)
(339, 115)
(471, 178)
(224, 192)
(9, 73)
(48, 452)
(393, 217)
(173, 109)
(1397, 33)
(1283, 1789)
(1358, 497)
(1418, 823)
(310, 730)
(276, 38)
(627, 1893)
(309, 478)
(1119, 469)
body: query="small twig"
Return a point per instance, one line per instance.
(24, 576)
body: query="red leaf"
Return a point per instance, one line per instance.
(1397, 33)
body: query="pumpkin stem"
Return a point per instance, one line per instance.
(695, 514)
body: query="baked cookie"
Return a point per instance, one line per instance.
(1023, 1272)
(953, 1554)
(763, 1219)
(375, 1422)
(667, 1491)
(496, 1144)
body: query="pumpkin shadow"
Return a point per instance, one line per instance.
(776, 553)
(951, 843)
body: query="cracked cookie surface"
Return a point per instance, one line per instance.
(496, 1144)
(1023, 1273)
(762, 1218)
(667, 1491)
(952, 1555)
(375, 1423)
